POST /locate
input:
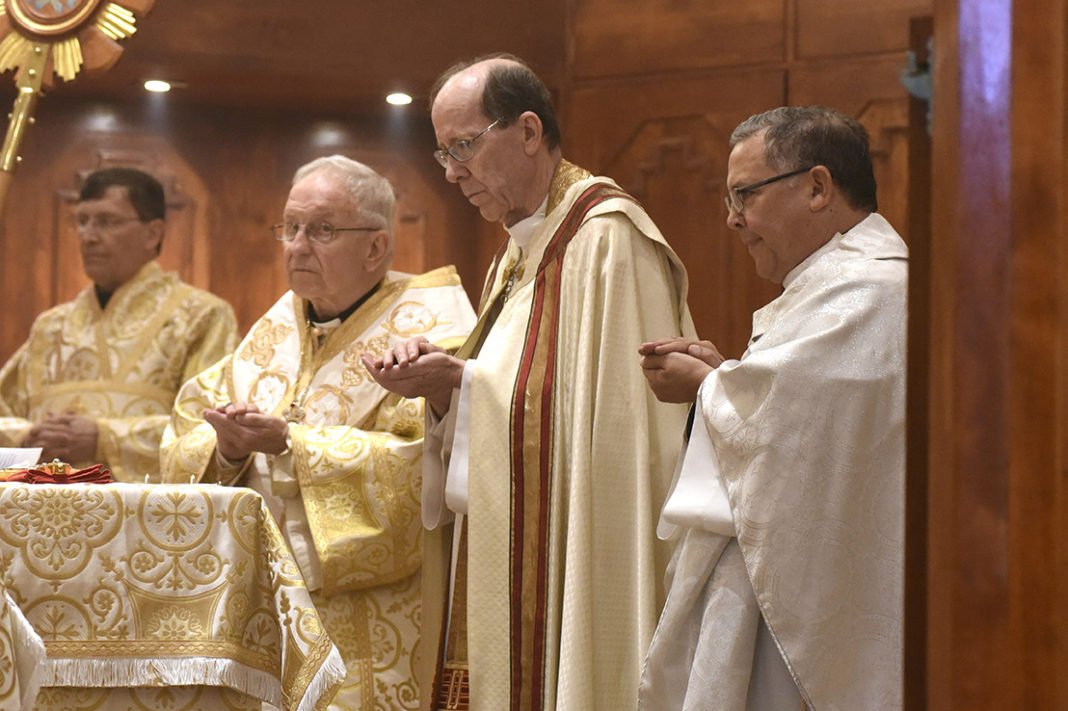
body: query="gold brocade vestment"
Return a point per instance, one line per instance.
(121, 365)
(347, 492)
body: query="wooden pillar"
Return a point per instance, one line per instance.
(997, 361)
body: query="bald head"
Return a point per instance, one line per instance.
(492, 140)
(506, 88)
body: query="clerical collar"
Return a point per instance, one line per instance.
(102, 297)
(341, 317)
(523, 231)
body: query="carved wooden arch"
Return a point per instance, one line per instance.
(186, 246)
(697, 139)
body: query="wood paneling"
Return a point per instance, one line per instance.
(998, 490)
(918, 404)
(670, 151)
(837, 28)
(613, 38)
(327, 55)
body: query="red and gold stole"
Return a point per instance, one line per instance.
(531, 461)
(531, 467)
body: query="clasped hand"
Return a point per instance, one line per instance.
(417, 368)
(676, 367)
(241, 429)
(68, 437)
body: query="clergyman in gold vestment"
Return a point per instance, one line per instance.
(568, 453)
(96, 379)
(293, 414)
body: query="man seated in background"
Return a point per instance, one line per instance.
(95, 381)
(788, 582)
(293, 414)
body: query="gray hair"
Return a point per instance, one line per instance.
(372, 193)
(806, 136)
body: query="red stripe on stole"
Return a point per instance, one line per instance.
(547, 284)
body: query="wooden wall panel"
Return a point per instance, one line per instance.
(670, 151)
(998, 484)
(227, 173)
(836, 28)
(612, 38)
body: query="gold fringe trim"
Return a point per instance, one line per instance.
(119, 672)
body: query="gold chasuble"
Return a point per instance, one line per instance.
(121, 365)
(570, 456)
(347, 492)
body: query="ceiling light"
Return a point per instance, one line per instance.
(157, 85)
(399, 99)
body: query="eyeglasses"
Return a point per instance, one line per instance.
(735, 197)
(462, 150)
(317, 232)
(102, 223)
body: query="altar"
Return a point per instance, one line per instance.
(162, 597)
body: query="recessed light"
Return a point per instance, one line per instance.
(399, 99)
(157, 85)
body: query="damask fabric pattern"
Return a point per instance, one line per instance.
(347, 493)
(121, 365)
(162, 586)
(21, 656)
(808, 431)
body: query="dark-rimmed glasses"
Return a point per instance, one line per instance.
(462, 150)
(317, 232)
(735, 197)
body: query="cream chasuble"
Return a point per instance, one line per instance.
(346, 494)
(570, 457)
(121, 365)
(808, 433)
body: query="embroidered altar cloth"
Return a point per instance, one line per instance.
(162, 596)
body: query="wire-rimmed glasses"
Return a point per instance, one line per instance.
(317, 232)
(462, 150)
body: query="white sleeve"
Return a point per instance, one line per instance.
(698, 497)
(445, 447)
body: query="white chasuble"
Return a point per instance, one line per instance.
(121, 365)
(570, 456)
(808, 431)
(347, 492)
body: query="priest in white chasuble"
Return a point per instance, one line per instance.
(555, 456)
(293, 413)
(96, 379)
(788, 583)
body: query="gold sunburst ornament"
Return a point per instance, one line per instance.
(42, 38)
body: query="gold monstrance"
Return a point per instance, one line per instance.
(40, 38)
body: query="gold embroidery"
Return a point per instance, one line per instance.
(260, 347)
(566, 175)
(411, 318)
(354, 372)
(159, 580)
